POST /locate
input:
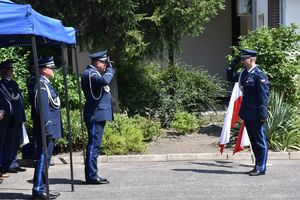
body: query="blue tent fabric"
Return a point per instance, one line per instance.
(18, 22)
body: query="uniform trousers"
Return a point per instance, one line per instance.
(39, 179)
(11, 145)
(3, 131)
(4, 123)
(95, 134)
(257, 136)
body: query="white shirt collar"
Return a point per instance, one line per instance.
(92, 66)
(47, 80)
(251, 69)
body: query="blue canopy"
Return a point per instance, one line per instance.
(19, 22)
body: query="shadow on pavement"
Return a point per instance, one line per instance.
(54, 181)
(223, 164)
(14, 196)
(217, 164)
(207, 171)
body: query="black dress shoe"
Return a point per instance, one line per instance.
(20, 169)
(44, 196)
(4, 175)
(98, 181)
(253, 170)
(12, 170)
(256, 173)
(56, 194)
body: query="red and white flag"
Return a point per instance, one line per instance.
(231, 118)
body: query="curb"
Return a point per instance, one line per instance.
(78, 159)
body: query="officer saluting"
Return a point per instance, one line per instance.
(97, 110)
(254, 108)
(15, 117)
(52, 123)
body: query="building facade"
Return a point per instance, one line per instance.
(240, 16)
(209, 50)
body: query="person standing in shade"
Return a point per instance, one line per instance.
(254, 107)
(5, 110)
(52, 123)
(2, 112)
(30, 150)
(13, 131)
(97, 110)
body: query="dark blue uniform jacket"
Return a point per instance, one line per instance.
(98, 106)
(51, 108)
(255, 88)
(31, 81)
(6, 107)
(17, 112)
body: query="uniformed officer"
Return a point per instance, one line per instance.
(30, 150)
(15, 118)
(5, 109)
(52, 123)
(98, 109)
(254, 108)
(2, 113)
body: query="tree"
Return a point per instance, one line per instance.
(132, 29)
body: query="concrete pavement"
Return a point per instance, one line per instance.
(202, 178)
(78, 158)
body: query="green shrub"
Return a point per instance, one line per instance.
(279, 56)
(62, 145)
(283, 125)
(123, 136)
(151, 129)
(157, 92)
(58, 84)
(138, 90)
(185, 123)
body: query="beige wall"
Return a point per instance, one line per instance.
(83, 60)
(262, 13)
(292, 12)
(210, 48)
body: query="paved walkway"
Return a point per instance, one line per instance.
(177, 180)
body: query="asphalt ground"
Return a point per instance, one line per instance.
(172, 180)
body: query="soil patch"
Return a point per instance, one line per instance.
(205, 141)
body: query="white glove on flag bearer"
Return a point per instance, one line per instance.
(24, 138)
(231, 118)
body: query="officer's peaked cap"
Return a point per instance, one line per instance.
(101, 55)
(46, 61)
(247, 53)
(8, 64)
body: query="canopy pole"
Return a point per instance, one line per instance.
(41, 111)
(68, 114)
(80, 101)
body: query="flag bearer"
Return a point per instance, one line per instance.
(254, 107)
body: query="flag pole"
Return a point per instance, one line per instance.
(252, 154)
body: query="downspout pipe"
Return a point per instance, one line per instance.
(254, 14)
(282, 12)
